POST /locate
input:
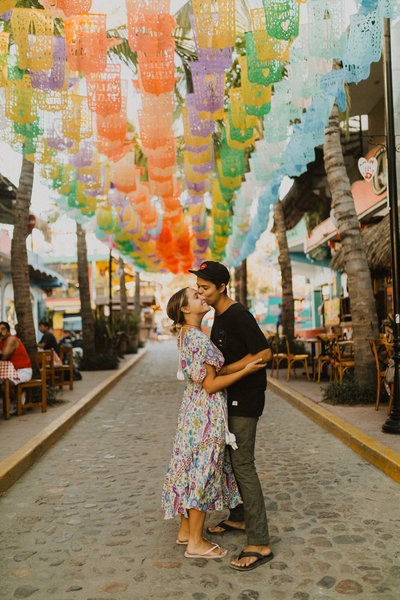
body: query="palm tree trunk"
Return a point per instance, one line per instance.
(19, 259)
(236, 282)
(240, 279)
(286, 272)
(243, 283)
(137, 293)
(363, 309)
(88, 341)
(122, 289)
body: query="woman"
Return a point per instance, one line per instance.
(200, 475)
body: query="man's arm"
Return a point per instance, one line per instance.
(10, 345)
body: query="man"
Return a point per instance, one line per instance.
(48, 340)
(12, 349)
(236, 333)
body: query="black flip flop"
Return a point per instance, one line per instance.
(261, 559)
(226, 528)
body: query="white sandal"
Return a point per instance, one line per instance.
(207, 552)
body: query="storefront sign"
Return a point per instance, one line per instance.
(332, 312)
(367, 167)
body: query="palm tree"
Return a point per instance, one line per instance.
(88, 341)
(286, 272)
(137, 293)
(300, 200)
(122, 288)
(19, 259)
(241, 283)
(363, 309)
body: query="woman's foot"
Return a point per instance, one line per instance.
(181, 541)
(183, 532)
(226, 525)
(247, 561)
(204, 548)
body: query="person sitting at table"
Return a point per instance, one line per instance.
(48, 340)
(12, 349)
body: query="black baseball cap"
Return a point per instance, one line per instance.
(212, 271)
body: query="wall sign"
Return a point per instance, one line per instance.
(367, 167)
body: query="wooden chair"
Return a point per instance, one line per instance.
(64, 374)
(322, 358)
(39, 360)
(277, 357)
(50, 374)
(6, 398)
(340, 360)
(294, 358)
(324, 353)
(382, 352)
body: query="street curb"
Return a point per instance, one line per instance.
(12, 467)
(378, 454)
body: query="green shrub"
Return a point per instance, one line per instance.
(132, 348)
(108, 335)
(129, 323)
(103, 333)
(102, 361)
(349, 392)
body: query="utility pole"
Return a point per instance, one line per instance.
(392, 423)
(110, 287)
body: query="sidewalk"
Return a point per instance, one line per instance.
(360, 427)
(23, 439)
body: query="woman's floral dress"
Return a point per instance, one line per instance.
(200, 473)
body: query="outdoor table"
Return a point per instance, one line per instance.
(313, 342)
(7, 372)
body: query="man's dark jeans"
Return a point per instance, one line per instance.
(252, 511)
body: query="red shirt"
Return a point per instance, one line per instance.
(19, 357)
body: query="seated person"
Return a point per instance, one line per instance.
(48, 340)
(12, 349)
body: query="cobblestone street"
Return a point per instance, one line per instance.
(85, 523)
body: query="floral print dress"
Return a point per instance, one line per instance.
(200, 473)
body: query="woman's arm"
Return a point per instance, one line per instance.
(265, 355)
(215, 383)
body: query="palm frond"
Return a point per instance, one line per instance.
(122, 51)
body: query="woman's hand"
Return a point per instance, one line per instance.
(254, 366)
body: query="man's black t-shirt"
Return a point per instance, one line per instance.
(49, 341)
(236, 333)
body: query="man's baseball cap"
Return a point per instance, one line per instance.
(212, 271)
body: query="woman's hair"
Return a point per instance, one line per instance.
(174, 309)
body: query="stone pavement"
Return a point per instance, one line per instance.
(84, 522)
(18, 430)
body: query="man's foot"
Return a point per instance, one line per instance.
(204, 549)
(225, 526)
(245, 562)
